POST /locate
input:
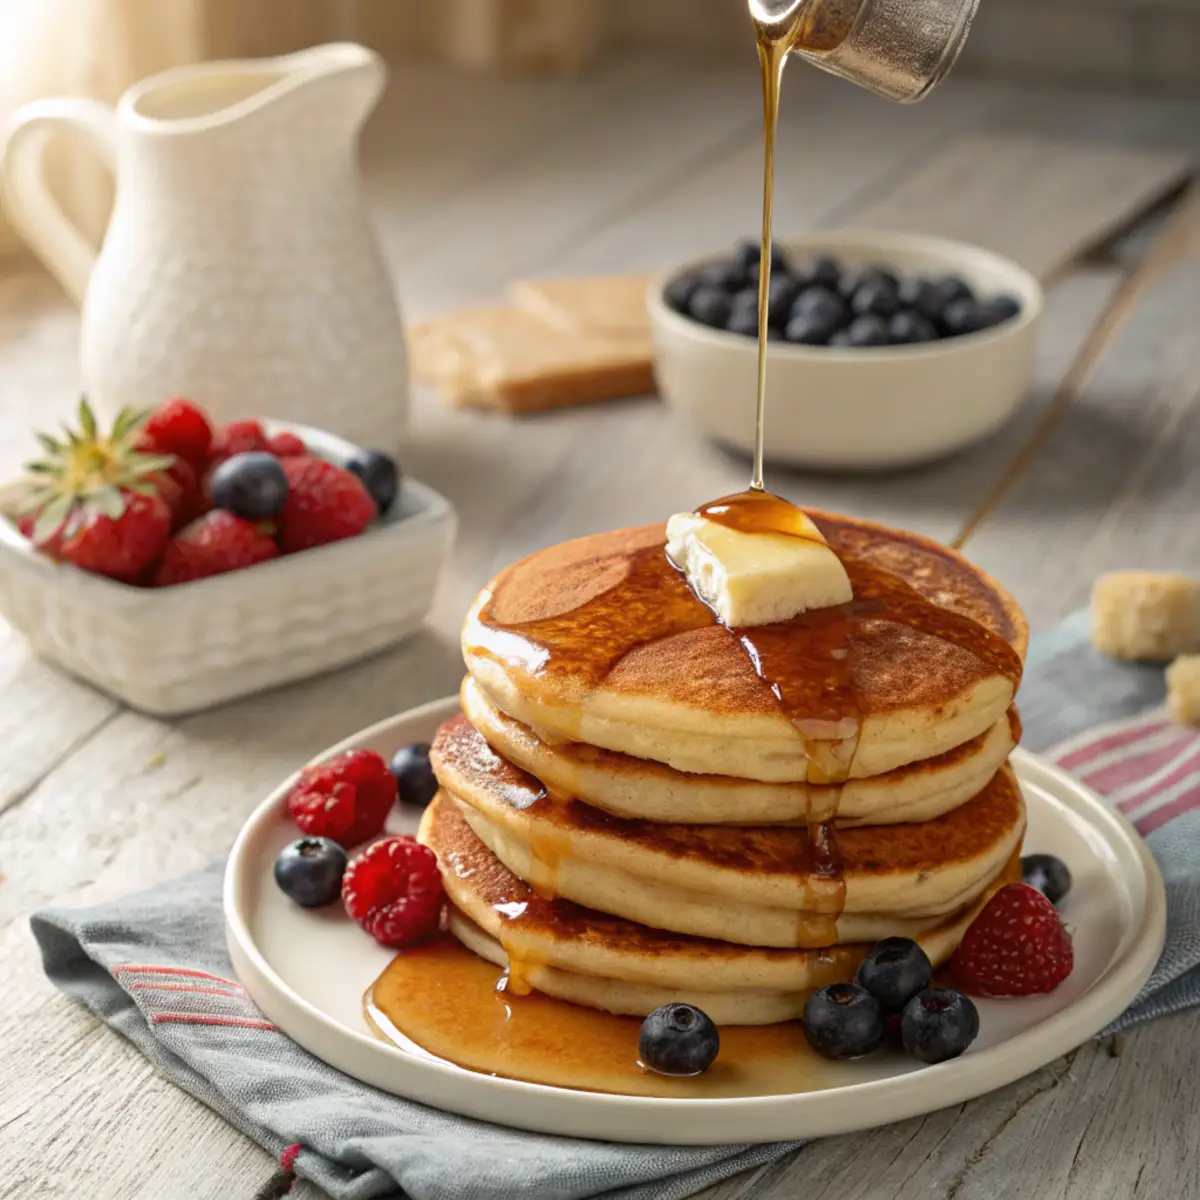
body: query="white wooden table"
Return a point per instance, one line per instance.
(476, 183)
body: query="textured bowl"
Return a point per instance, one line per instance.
(175, 650)
(845, 409)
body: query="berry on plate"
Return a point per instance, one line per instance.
(309, 871)
(286, 445)
(95, 498)
(938, 1024)
(380, 474)
(843, 1020)
(394, 891)
(415, 779)
(1018, 946)
(325, 503)
(181, 428)
(346, 799)
(894, 971)
(251, 485)
(237, 437)
(678, 1039)
(213, 544)
(1051, 876)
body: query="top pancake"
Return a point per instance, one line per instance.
(592, 641)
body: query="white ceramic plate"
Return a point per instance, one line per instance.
(308, 971)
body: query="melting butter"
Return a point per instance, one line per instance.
(751, 578)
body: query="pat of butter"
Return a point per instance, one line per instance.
(756, 578)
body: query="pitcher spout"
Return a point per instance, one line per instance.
(206, 96)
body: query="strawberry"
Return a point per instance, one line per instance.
(394, 891)
(213, 544)
(121, 547)
(346, 799)
(237, 437)
(179, 427)
(180, 488)
(49, 545)
(325, 504)
(1018, 946)
(286, 445)
(95, 501)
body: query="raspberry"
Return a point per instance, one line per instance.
(286, 445)
(179, 427)
(214, 544)
(346, 799)
(394, 891)
(325, 503)
(238, 437)
(1017, 946)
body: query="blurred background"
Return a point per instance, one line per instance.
(98, 47)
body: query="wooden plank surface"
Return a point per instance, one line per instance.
(1041, 201)
(476, 183)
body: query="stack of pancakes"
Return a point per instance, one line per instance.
(629, 815)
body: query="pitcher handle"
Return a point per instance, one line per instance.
(34, 212)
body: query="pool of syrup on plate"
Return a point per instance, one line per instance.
(441, 1001)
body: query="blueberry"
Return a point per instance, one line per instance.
(726, 274)
(1002, 308)
(743, 321)
(822, 305)
(843, 1020)
(875, 298)
(938, 1024)
(414, 774)
(806, 330)
(1048, 874)
(380, 474)
(825, 269)
(781, 295)
(747, 298)
(678, 1039)
(867, 331)
(962, 317)
(951, 288)
(748, 253)
(678, 293)
(841, 339)
(711, 306)
(909, 328)
(871, 276)
(310, 871)
(894, 971)
(251, 485)
(922, 296)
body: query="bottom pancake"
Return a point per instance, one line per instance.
(606, 962)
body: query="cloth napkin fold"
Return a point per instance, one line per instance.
(154, 967)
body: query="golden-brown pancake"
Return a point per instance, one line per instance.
(591, 958)
(755, 885)
(597, 641)
(636, 787)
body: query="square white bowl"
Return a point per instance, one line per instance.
(169, 651)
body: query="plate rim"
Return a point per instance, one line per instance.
(701, 1121)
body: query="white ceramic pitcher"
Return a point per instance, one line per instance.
(239, 267)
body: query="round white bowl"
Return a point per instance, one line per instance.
(873, 409)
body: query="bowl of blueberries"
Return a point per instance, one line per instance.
(885, 350)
